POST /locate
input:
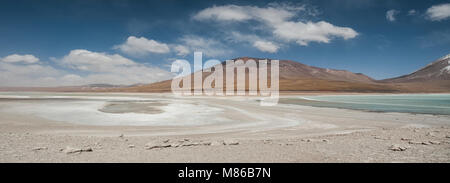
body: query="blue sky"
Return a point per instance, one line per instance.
(67, 42)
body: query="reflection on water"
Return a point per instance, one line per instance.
(410, 103)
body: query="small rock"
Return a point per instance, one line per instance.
(191, 144)
(121, 135)
(86, 149)
(166, 141)
(406, 139)
(155, 145)
(177, 144)
(230, 142)
(381, 138)
(131, 146)
(314, 140)
(39, 148)
(431, 134)
(397, 148)
(416, 130)
(448, 136)
(434, 142)
(71, 150)
(424, 142)
(206, 143)
(414, 142)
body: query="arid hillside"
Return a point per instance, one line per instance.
(297, 77)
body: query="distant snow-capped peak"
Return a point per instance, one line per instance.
(440, 60)
(445, 57)
(446, 69)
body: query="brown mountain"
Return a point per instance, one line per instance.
(435, 77)
(295, 76)
(438, 70)
(298, 77)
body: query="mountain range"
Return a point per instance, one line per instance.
(297, 77)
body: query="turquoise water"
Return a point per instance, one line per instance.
(409, 103)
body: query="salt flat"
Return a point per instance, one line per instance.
(37, 127)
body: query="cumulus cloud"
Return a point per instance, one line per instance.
(16, 58)
(390, 15)
(142, 46)
(227, 13)
(412, 12)
(255, 41)
(81, 67)
(438, 12)
(266, 46)
(111, 68)
(303, 33)
(279, 19)
(16, 74)
(85, 60)
(273, 14)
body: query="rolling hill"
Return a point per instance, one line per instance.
(295, 76)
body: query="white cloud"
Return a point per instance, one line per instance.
(412, 12)
(93, 61)
(255, 41)
(390, 15)
(181, 50)
(438, 12)
(81, 67)
(273, 13)
(16, 58)
(303, 33)
(278, 19)
(113, 69)
(14, 74)
(224, 13)
(142, 46)
(266, 46)
(209, 47)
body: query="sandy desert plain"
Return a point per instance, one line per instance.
(160, 127)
